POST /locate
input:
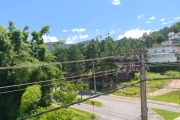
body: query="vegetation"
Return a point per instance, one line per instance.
(173, 97)
(152, 85)
(82, 115)
(167, 115)
(20, 47)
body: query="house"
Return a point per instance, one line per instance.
(166, 52)
(174, 37)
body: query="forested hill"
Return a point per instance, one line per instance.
(150, 40)
(156, 37)
(50, 44)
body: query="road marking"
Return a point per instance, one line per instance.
(113, 119)
(103, 116)
(105, 106)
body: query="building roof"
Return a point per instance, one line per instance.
(171, 33)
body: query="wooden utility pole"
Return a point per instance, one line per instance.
(94, 78)
(144, 110)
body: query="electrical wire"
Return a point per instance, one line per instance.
(80, 101)
(57, 79)
(67, 62)
(52, 84)
(47, 80)
(162, 79)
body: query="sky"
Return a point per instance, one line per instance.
(79, 20)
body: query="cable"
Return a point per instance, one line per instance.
(162, 79)
(52, 84)
(75, 61)
(80, 101)
(47, 80)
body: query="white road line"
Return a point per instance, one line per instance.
(103, 116)
(113, 119)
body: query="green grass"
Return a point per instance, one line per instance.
(134, 91)
(89, 102)
(82, 115)
(173, 97)
(167, 115)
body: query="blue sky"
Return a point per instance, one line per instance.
(79, 20)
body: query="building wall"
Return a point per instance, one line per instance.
(162, 58)
(174, 36)
(164, 50)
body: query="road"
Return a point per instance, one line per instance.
(122, 109)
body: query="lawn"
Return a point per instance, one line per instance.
(167, 115)
(173, 97)
(89, 102)
(82, 115)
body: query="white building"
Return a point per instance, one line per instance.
(163, 53)
(174, 37)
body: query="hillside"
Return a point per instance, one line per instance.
(49, 44)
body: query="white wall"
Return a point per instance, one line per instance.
(163, 58)
(166, 50)
(174, 36)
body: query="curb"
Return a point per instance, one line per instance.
(149, 101)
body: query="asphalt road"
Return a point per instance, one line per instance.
(122, 109)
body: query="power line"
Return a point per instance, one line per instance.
(80, 101)
(119, 56)
(52, 84)
(162, 79)
(58, 79)
(46, 81)
(55, 63)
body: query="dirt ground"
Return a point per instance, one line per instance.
(172, 86)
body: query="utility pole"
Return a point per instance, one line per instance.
(94, 78)
(143, 87)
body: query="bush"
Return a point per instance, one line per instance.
(172, 74)
(93, 117)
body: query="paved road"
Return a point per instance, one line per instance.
(122, 109)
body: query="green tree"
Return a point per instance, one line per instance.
(30, 99)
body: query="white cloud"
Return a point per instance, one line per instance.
(78, 29)
(47, 38)
(112, 32)
(71, 40)
(97, 31)
(116, 2)
(141, 16)
(152, 18)
(164, 23)
(64, 30)
(171, 21)
(83, 36)
(148, 22)
(162, 19)
(134, 33)
(176, 18)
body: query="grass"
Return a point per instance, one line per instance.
(89, 102)
(82, 115)
(173, 97)
(134, 91)
(167, 115)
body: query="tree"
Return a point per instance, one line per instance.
(30, 99)
(65, 95)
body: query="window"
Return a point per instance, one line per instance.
(163, 50)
